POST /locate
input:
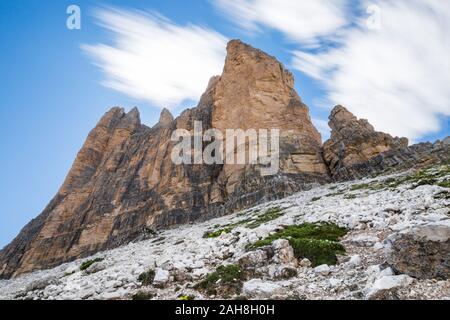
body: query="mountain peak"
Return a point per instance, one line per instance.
(354, 141)
(165, 118)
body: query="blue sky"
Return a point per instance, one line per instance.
(56, 84)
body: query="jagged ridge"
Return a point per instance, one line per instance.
(123, 182)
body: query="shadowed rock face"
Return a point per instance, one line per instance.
(422, 252)
(355, 150)
(355, 141)
(123, 182)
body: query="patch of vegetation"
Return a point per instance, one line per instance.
(67, 274)
(269, 215)
(218, 233)
(89, 263)
(319, 242)
(226, 279)
(147, 277)
(142, 295)
(350, 196)
(184, 297)
(428, 176)
(317, 251)
(445, 184)
(360, 187)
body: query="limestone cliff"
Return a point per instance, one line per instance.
(355, 141)
(355, 150)
(123, 183)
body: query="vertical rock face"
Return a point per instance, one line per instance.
(123, 181)
(256, 92)
(355, 141)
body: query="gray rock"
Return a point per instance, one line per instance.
(355, 261)
(422, 252)
(261, 289)
(305, 263)
(284, 253)
(41, 283)
(97, 267)
(253, 259)
(162, 277)
(385, 287)
(363, 240)
(323, 270)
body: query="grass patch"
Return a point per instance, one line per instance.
(226, 278)
(142, 295)
(428, 176)
(445, 184)
(218, 233)
(89, 263)
(68, 274)
(363, 186)
(184, 297)
(147, 277)
(319, 242)
(269, 215)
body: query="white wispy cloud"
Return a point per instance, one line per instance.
(156, 60)
(396, 76)
(301, 20)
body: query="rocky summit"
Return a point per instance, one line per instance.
(123, 185)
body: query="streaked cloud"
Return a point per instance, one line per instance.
(155, 60)
(396, 76)
(304, 21)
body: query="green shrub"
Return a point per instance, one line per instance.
(89, 263)
(217, 233)
(146, 278)
(316, 241)
(227, 278)
(317, 251)
(186, 297)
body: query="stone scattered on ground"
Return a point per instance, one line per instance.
(396, 247)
